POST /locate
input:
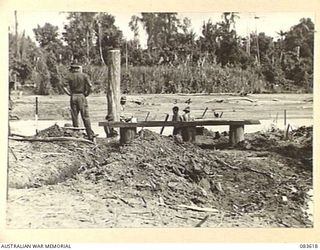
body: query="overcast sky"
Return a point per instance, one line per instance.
(270, 23)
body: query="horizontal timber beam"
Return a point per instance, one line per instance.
(216, 122)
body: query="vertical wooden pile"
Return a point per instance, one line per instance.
(113, 94)
(113, 87)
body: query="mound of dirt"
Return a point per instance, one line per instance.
(185, 174)
(33, 164)
(158, 169)
(297, 145)
(57, 131)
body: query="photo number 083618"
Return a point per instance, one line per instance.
(308, 246)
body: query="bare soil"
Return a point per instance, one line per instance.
(158, 181)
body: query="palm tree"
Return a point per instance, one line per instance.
(229, 19)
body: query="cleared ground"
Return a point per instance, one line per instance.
(262, 106)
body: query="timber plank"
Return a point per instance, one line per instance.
(215, 122)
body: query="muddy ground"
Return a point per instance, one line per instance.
(159, 182)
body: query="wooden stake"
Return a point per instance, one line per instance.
(36, 115)
(164, 126)
(145, 120)
(37, 106)
(285, 117)
(204, 112)
(287, 132)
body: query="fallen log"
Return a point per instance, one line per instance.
(50, 139)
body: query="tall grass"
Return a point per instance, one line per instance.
(190, 79)
(170, 79)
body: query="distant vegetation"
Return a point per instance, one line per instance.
(175, 60)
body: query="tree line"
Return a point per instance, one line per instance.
(175, 59)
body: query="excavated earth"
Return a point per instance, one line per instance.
(159, 181)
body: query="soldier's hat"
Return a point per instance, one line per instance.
(187, 109)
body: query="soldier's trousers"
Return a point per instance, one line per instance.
(79, 104)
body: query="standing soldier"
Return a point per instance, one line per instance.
(176, 118)
(186, 117)
(188, 133)
(79, 87)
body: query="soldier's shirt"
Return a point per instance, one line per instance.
(187, 117)
(79, 83)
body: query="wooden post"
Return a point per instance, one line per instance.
(236, 134)
(286, 137)
(37, 106)
(36, 115)
(127, 135)
(188, 134)
(166, 119)
(113, 87)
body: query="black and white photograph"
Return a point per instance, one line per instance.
(160, 119)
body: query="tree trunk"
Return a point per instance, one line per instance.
(17, 36)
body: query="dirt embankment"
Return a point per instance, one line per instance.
(157, 171)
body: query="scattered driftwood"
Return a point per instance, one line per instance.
(199, 209)
(123, 200)
(11, 150)
(202, 221)
(50, 139)
(241, 99)
(308, 99)
(13, 117)
(259, 172)
(18, 135)
(224, 163)
(231, 99)
(139, 102)
(126, 202)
